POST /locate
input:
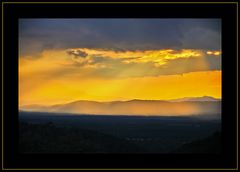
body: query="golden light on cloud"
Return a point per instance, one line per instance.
(57, 76)
(157, 56)
(216, 53)
(209, 52)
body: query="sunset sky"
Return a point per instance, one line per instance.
(64, 60)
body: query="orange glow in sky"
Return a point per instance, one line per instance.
(60, 76)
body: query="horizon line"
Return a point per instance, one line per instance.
(109, 101)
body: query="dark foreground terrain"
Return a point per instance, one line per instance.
(65, 133)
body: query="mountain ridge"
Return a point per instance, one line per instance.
(204, 98)
(188, 99)
(133, 107)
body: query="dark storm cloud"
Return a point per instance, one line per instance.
(37, 35)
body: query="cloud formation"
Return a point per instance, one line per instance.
(77, 53)
(103, 63)
(36, 35)
(109, 63)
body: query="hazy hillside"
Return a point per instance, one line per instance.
(47, 138)
(134, 107)
(211, 144)
(65, 133)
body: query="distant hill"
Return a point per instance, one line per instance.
(211, 144)
(204, 99)
(135, 107)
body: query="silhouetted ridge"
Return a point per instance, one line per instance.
(47, 138)
(211, 144)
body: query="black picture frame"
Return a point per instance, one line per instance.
(12, 11)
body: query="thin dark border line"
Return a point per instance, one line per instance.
(120, 2)
(2, 89)
(237, 84)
